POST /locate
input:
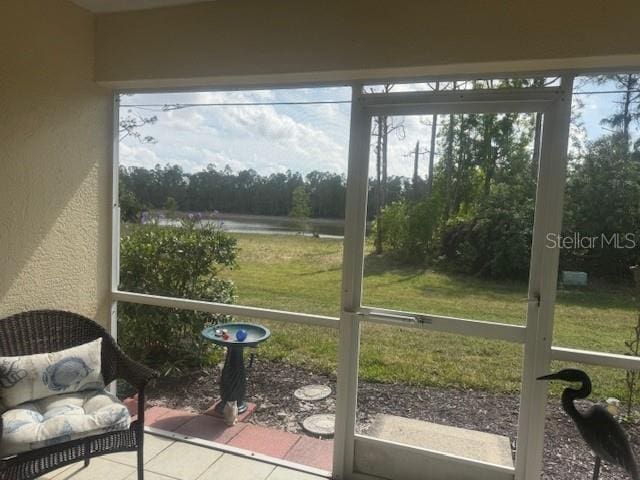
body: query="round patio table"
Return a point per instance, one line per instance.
(234, 380)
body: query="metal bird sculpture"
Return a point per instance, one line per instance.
(597, 426)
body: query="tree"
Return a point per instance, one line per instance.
(130, 207)
(478, 215)
(432, 145)
(383, 126)
(224, 190)
(628, 106)
(170, 181)
(130, 125)
(171, 207)
(301, 209)
(327, 193)
(448, 161)
(603, 200)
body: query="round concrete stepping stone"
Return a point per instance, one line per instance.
(322, 424)
(311, 393)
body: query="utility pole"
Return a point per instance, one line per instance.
(415, 184)
(432, 147)
(415, 168)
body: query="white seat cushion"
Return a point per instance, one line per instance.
(61, 418)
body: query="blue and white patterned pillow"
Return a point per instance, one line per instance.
(31, 377)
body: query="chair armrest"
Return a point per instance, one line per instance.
(133, 372)
(118, 365)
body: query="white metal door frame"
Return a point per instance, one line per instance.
(543, 276)
(536, 336)
(352, 270)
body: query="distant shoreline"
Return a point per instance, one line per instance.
(251, 217)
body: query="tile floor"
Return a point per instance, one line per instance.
(167, 459)
(291, 447)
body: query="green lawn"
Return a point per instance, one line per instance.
(303, 274)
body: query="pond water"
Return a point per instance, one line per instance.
(325, 227)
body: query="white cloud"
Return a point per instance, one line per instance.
(141, 155)
(187, 120)
(221, 160)
(282, 132)
(266, 138)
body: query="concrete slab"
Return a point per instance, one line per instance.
(98, 468)
(58, 471)
(153, 445)
(149, 476)
(281, 473)
(233, 467)
(175, 460)
(183, 461)
(461, 442)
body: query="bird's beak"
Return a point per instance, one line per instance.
(551, 376)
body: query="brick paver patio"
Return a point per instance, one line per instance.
(291, 447)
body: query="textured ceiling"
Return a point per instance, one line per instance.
(101, 6)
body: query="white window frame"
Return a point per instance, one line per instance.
(555, 103)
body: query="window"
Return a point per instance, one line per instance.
(433, 259)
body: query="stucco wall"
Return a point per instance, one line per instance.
(54, 161)
(240, 41)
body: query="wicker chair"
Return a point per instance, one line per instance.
(44, 331)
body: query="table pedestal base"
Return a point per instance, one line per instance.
(242, 407)
(233, 382)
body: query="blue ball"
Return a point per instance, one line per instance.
(241, 335)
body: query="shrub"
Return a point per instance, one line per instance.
(300, 209)
(494, 242)
(409, 228)
(181, 262)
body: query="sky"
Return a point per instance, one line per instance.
(267, 138)
(276, 138)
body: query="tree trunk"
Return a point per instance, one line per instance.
(461, 170)
(383, 132)
(537, 138)
(383, 190)
(626, 119)
(488, 153)
(432, 148)
(432, 153)
(378, 240)
(449, 164)
(415, 169)
(385, 143)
